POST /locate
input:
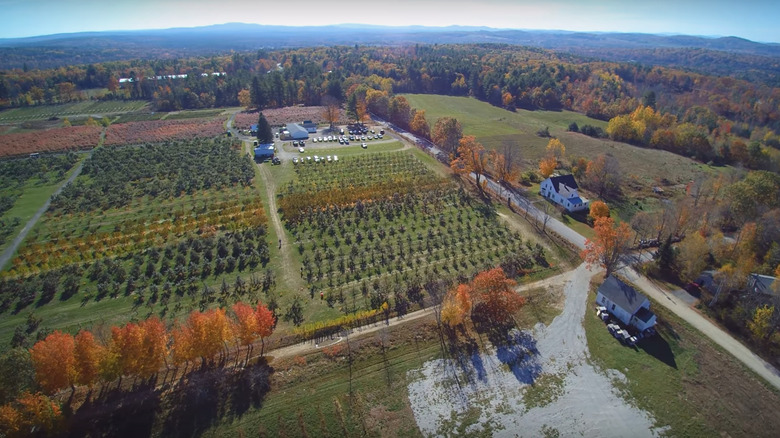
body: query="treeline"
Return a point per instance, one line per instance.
(137, 350)
(506, 76)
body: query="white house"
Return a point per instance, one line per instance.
(563, 190)
(625, 304)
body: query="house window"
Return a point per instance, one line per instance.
(613, 307)
(603, 299)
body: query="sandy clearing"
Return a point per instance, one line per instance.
(444, 392)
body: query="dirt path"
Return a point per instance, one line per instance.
(310, 346)
(492, 385)
(11, 249)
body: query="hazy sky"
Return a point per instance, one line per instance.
(752, 19)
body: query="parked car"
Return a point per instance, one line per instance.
(336, 158)
(364, 146)
(295, 160)
(276, 160)
(301, 150)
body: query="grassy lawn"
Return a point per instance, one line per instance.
(687, 383)
(495, 126)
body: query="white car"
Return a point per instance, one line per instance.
(308, 159)
(314, 139)
(330, 158)
(336, 158)
(295, 160)
(301, 150)
(364, 146)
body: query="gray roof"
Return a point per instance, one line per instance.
(564, 184)
(762, 283)
(297, 131)
(622, 294)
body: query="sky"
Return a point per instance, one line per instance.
(751, 19)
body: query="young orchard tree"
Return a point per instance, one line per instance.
(609, 245)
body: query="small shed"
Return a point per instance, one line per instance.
(625, 303)
(264, 152)
(295, 131)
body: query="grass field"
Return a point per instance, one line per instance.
(494, 126)
(30, 197)
(685, 381)
(70, 109)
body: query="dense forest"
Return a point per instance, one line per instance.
(717, 113)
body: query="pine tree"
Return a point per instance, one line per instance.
(264, 134)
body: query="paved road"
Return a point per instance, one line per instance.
(11, 250)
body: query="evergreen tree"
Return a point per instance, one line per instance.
(264, 134)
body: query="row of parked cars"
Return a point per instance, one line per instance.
(316, 159)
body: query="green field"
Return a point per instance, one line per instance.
(684, 380)
(30, 194)
(495, 126)
(70, 109)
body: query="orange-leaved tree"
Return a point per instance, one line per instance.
(141, 347)
(493, 296)
(54, 362)
(30, 414)
(88, 353)
(472, 158)
(610, 243)
(208, 333)
(547, 166)
(456, 305)
(266, 322)
(598, 209)
(245, 326)
(419, 125)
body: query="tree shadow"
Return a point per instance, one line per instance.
(463, 348)
(119, 413)
(200, 400)
(211, 395)
(515, 348)
(657, 347)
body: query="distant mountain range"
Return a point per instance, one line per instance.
(672, 50)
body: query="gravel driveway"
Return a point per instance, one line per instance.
(487, 394)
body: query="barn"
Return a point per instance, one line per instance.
(625, 303)
(295, 131)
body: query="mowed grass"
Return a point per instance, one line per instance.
(310, 395)
(33, 195)
(495, 126)
(686, 383)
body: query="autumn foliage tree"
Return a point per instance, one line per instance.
(547, 166)
(419, 125)
(87, 353)
(266, 322)
(472, 158)
(54, 362)
(456, 305)
(598, 209)
(609, 245)
(493, 296)
(29, 415)
(447, 133)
